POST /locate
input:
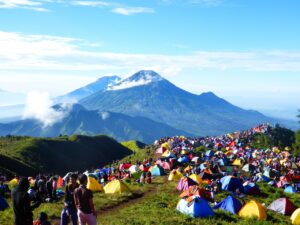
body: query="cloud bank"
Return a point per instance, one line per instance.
(39, 107)
(52, 53)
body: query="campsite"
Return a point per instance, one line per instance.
(211, 180)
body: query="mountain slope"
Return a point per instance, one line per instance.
(81, 121)
(147, 94)
(29, 156)
(99, 85)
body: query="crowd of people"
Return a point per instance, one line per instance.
(205, 161)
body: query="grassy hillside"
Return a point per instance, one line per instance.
(28, 156)
(135, 146)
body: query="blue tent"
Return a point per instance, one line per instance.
(183, 159)
(230, 183)
(209, 153)
(223, 162)
(3, 204)
(251, 189)
(229, 204)
(290, 189)
(158, 171)
(198, 207)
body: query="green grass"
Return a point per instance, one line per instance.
(29, 156)
(160, 208)
(135, 146)
(101, 200)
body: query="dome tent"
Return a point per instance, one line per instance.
(283, 206)
(116, 187)
(197, 207)
(253, 209)
(229, 204)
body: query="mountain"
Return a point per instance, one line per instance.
(148, 94)
(78, 120)
(29, 156)
(101, 84)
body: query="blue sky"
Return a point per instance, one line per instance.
(246, 51)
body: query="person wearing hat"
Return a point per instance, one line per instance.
(22, 206)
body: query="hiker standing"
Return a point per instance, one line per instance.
(22, 205)
(70, 210)
(84, 203)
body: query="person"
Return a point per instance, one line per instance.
(42, 220)
(54, 188)
(70, 210)
(84, 203)
(49, 186)
(22, 205)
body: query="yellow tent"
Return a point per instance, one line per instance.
(253, 209)
(196, 178)
(237, 162)
(94, 185)
(188, 168)
(296, 217)
(116, 187)
(166, 145)
(14, 182)
(175, 175)
(166, 153)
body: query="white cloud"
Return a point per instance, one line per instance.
(44, 54)
(39, 107)
(91, 3)
(127, 11)
(104, 115)
(25, 4)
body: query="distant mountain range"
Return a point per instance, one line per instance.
(100, 85)
(78, 120)
(142, 107)
(148, 94)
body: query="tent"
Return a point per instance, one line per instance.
(296, 217)
(290, 190)
(229, 204)
(196, 207)
(166, 165)
(116, 187)
(168, 154)
(94, 185)
(59, 182)
(196, 191)
(3, 204)
(248, 168)
(283, 206)
(230, 183)
(209, 153)
(251, 189)
(253, 209)
(14, 182)
(195, 159)
(205, 175)
(133, 169)
(175, 175)
(183, 159)
(196, 178)
(157, 171)
(237, 162)
(184, 183)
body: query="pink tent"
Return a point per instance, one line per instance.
(185, 183)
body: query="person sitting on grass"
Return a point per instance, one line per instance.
(42, 220)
